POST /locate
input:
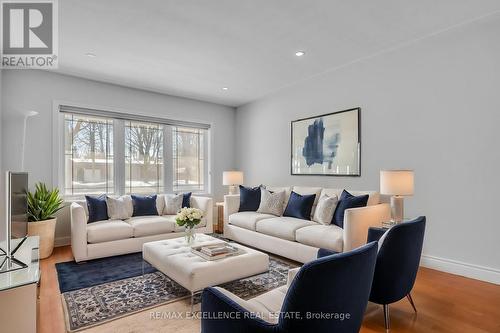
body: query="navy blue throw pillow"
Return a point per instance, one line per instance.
(346, 201)
(299, 206)
(98, 209)
(186, 200)
(144, 205)
(249, 199)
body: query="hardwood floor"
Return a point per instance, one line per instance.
(445, 303)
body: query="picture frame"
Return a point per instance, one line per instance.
(327, 144)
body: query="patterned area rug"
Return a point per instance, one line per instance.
(98, 304)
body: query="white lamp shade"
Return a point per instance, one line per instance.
(232, 178)
(396, 182)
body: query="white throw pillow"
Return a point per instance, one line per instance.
(271, 203)
(325, 209)
(120, 208)
(173, 204)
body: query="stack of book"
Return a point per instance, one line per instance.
(215, 251)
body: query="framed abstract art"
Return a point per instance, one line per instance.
(327, 145)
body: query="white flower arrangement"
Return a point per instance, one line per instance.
(189, 217)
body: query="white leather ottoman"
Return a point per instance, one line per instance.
(173, 258)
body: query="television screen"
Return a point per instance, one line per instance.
(18, 186)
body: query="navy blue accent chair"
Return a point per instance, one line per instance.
(338, 283)
(397, 264)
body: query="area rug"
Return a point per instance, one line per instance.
(101, 303)
(73, 276)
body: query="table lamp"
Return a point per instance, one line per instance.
(397, 184)
(232, 179)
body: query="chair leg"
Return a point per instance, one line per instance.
(387, 318)
(411, 302)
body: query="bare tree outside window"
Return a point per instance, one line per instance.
(143, 157)
(88, 155)
(188, 161)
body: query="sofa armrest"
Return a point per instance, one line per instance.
(291, 275)
(358, 220)
(206, 205)
(78, 232)
(231, 206)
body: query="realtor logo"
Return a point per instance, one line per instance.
(29, 34)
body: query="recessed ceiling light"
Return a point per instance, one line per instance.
(225, 88)
(299, 53)
(91, 55)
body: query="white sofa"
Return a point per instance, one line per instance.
(114, 237)
(299, 239)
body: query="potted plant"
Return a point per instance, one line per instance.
(189, 218)
(42, 205)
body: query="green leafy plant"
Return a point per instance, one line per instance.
(44, 203)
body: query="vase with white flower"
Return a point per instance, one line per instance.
(189, 218)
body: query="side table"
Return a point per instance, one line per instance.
(219, 226)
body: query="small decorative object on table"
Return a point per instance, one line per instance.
(216, 251)
(189, 218)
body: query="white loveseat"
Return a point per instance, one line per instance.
(114, 237)
(299, 239)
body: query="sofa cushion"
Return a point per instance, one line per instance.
(300, 206)
(249, 199)
(347, 201)
(119, 208)
(186, 200)
(97, 208)
(305, 190)
(144, 205)
(271, 301)
(282, 227)
(109, 230)
(247, 220)
(173, 203)
(151, 225)
(373, 196)
(323, 236)
(325, 209)
(271, 202)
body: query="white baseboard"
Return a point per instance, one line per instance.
(62, 241)
(477, 272)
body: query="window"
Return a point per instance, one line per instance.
(188, 159)
(88, 155)
(143, 157)
(114, 153)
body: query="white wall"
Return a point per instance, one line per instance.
(433, 106)
(36, 90)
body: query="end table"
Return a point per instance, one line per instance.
(219, 226)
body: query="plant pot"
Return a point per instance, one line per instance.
(46, 230)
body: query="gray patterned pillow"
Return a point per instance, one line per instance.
(271, 203)
(325, 209)
(173, 204)
(119, 208)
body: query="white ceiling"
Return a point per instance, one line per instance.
(193, 48)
